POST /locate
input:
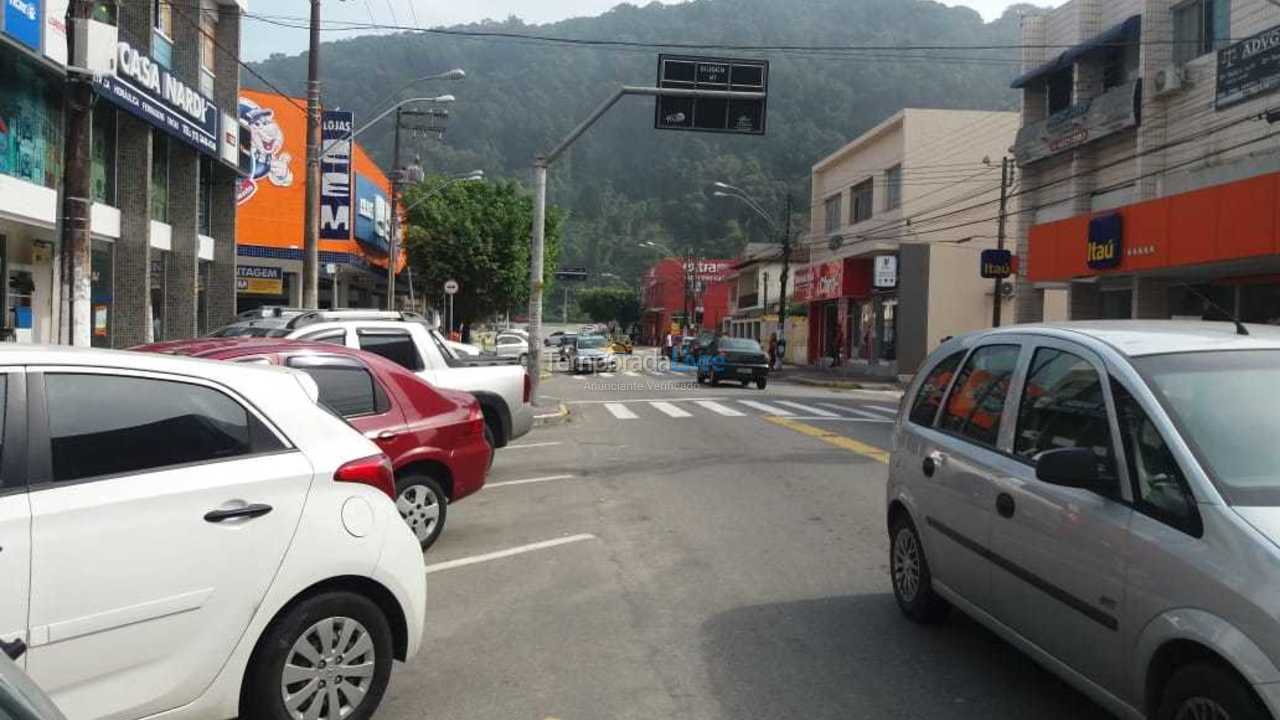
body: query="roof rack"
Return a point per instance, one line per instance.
(315, 316)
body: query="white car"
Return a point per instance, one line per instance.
(197, 539)
(512, 345)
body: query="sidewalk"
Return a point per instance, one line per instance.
(845, 378)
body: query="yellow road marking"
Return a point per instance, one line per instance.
(826, 436)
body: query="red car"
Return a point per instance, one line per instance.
(434, 437)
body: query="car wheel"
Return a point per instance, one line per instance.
(761, 383)
(328, 657)
(746, 383)
(423, 506)
(493, 444)
(909, 572)
(1207, 691)
(702, 379)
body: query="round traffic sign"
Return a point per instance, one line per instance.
(451, 287)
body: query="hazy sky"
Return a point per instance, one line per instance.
(260, 39)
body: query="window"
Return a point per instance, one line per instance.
(162, 36)
(204, 271)
(338, 337)
(103, 169)
(1199, 28)
(1159, 487)
(863, 199)
(30, 122)
(1063, 406)
(159, 176)
(832, 208)
(929, 399)
(1059, 88)
(208, 31)
(203, 220)
(139, 424)
(102, 291)
(395, 346)
(893, 187)
(1121, 66)
(977, 399)
(348, 389)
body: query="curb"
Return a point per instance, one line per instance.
(560, 416)
(842, 384)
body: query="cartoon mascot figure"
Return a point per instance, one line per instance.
(269, 160)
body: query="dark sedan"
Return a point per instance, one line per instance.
(734, 359)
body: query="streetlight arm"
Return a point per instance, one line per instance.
(455, 74)
(436, 191)
(754, 206)
(388, 111)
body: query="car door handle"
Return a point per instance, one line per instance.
(388, 435)
(248, 511)
(932, 462)
(1005, 505)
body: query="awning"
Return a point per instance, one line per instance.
(1126, 32)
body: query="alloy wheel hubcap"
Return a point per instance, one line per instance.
(906, 565)
(328, 671)
(1201, 708)
(419, 507)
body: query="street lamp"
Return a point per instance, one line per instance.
(440, 99)
(725, 190)
(454, 74)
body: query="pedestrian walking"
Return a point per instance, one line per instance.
(671, 353)
(782, 351)
(773, 350)
(837, 343)
(466, 333)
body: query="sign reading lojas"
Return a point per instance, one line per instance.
(146, 89)
(335, 175)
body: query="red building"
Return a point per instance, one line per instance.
(682, 295)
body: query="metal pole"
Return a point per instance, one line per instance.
(311, 216)
(535, 274)
(76, 183)
(393, 241)
(786, 270)
(451, 316)
(997, 302)
(564, 314)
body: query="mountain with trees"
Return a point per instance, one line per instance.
(625, 183)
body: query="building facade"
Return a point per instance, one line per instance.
(684, 296)
(165, 164)
(355, 211)
(755, 286)
(895, 266)
(1154, 167)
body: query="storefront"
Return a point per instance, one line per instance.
(848, 317)
(685, 296)
(1209, 254)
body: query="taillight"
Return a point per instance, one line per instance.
(374, 471)
(528, 387)
(475, 421)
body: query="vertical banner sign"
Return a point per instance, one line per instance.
(1106, 235)
(55, 30)
(23, 20)
(335, 175)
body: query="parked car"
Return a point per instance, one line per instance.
(21, 698)
(512, 345)
(436, 438)
(181, 536)
(592, 354)
(271, 311)
(734, 360)
(255, 327)
(1104, 497)
(412, 341)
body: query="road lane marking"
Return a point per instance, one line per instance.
(808, 409)
(509, 552)
(854, 411)
(531, 445)
(620, 411)
(606, 375)
(767, 408)
(645, 400)
(840, 441)
(529, 481)
(829, 418)
(880, 408)
(671, 410)
(719, 409)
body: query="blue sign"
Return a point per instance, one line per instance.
(373, 214)
(156, 96)
(22, 20)
(336, 128)
(996, 264)
(1106, 236)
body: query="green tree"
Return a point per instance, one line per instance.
(477, 234)
(609, 304)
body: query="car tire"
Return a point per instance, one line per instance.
(493, 444)
(761, 383)
(702, 379)
(266, 688)
(909, 574)
(1211, 690)
(423, 505)
(746, 383)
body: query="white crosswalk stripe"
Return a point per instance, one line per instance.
(671, 410)
(807, 409)
(620, 411)
(719, 409)
(855, 412)
(631, 373)
(767, 408)
(606, 375)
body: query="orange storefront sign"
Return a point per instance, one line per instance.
(1225, 222)
(270, 212)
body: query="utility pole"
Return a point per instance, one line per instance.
(76, 182)
(397, 174)
(786, 270)
(564, 314)
(997, 302)
(311, 218)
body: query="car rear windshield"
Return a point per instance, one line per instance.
(740, 345)
(1224, 406)
(591, 343)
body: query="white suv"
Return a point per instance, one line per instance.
(197, 539)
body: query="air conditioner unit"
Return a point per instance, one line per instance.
(95, 47)
(1170, 80)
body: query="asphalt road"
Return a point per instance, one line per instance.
(680, 553)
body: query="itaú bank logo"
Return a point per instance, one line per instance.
(24, 8)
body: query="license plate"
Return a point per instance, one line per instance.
(744, 371)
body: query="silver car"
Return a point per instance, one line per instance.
(1106, 497)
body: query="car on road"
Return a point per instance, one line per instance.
(1104, 496)
(740, 360)
(436, 438)
(512, 345)
(591, 353)
(197, 539)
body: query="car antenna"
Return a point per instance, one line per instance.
(1240, 328)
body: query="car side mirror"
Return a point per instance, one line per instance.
(1073, 468)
